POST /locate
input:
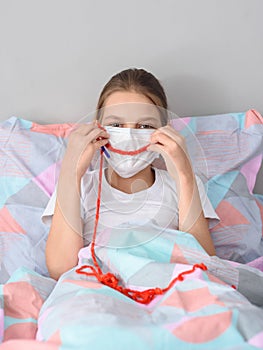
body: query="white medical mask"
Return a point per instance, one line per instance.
(129, 139)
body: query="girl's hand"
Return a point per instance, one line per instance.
(171, 145)
(82, 144)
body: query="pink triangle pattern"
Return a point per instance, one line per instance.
(212, 326)
(250, 170)
(47, 179)
(257, 340)
(231, 216)
(8, 223)
(56, 338)
(59, 130)
(192, 300)
(253, 117)
(260, 206)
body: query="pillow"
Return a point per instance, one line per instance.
(227, 159)
(29, 162)
(226, 151)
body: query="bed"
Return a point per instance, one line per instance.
(215, 302)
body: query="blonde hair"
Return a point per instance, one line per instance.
(139, 81)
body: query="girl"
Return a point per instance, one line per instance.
(131, 115)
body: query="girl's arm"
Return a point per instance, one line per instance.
(191, 217)
(65, 236)
(168, 142)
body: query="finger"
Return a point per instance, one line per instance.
(80, 129)
(72, 126)
(166, 138)
(103, 135)
(156, 148)
(97, 133)
(101, 143)
(85, 129)
(162, 139)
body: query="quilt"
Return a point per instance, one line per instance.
(203, 309)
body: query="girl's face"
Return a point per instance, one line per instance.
(126, 109)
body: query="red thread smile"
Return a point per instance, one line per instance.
(127, 153)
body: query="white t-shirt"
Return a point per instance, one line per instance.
(156, 205)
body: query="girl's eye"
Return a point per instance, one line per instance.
(116, 125)
(145, 126)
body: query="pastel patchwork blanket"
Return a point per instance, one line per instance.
(204, 310)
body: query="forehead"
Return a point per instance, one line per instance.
(118, 97)
(131, 112)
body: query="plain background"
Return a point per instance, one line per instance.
(56, 55)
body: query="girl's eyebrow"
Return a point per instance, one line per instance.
(115, 117)
(148, 119)
(142, 119)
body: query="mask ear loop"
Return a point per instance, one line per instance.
(109, 279)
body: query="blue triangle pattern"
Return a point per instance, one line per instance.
(218, 186)
(10, 185)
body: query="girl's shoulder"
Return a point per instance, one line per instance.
(163, 175)
(163, 179)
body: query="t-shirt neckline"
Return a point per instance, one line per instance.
(106, 185)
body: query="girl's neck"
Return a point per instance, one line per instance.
(139, 182)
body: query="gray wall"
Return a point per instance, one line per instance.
(56, 55)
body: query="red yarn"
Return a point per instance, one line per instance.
(109, 279)
(127, 153)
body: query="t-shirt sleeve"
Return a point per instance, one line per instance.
(47, 215)
(209, 211)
